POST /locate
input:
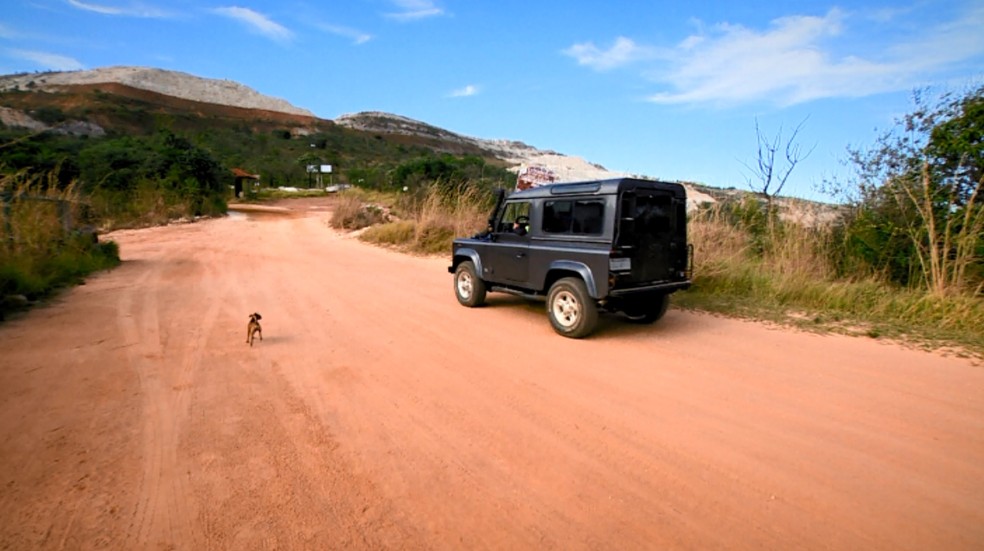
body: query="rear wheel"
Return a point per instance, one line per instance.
(573, 313)
(468, 287)
(648, 309)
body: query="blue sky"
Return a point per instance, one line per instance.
(670, 90)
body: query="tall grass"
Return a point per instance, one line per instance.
(356, 210)
(41, 245)
(152, 203)
(788, 275)
(432, 218)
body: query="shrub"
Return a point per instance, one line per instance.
(41, 249)
(353, 212)
(918, 198)
(435, 216)
(400, 232)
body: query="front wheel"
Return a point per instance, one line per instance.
(648, 310)
(573, 313)
(468, 287)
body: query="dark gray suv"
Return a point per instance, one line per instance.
(619, 245)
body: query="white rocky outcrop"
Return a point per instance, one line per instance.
(170, 83)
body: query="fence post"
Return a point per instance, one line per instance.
(65, 213)
(5, 199)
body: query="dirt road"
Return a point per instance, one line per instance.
(377, 413)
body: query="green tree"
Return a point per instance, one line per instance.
(918, 212)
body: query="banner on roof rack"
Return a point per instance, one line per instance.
(534, 176)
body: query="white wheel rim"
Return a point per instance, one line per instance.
(566, 309)
(464, 285)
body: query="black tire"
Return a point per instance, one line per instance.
(468, 287)
(649, 309)
(572, 312)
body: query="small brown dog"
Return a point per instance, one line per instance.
(254, 328)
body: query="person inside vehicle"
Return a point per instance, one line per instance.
(521, 225)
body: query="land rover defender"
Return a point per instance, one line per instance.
(617, 245)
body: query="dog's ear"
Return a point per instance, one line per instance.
(258, 316)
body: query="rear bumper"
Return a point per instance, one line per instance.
(667, 287)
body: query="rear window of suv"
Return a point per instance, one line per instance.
(584, 217)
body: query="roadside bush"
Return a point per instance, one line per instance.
(795, 275)
(41, 248)
(453, 174)
(354, 212)
(917, 198)
(400, 232)
(719, 243)
(434, 215)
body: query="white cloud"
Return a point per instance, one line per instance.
(256, 22)
(734, 63)
(797, 58)
(47, 60)
(886, 15)
(133, 9)
(6, 32)
(623, 52)
(358, 37)
(952, 42)
(412, 10)
(469, 90)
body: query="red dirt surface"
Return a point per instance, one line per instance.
(377, 413)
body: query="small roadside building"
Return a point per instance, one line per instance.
(242, 176)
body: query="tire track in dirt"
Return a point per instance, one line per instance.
(378, 414)
(294, 483)
(167, 351)
(139, 320)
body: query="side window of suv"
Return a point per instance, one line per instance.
(515, 218)
(585, 217)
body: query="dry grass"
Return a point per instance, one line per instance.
(432, 221)
(40, 246)
(793, 273)
(718, 245)
(784, 275)
(36, 213)
(354, 211)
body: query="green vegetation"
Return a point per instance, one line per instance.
(278, 148)
(917, 210)
(433, 217)
(904, 259)
(355, 210)
(795, 278)
(41, 247)
(161, 159)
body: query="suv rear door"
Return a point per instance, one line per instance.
(651, 234)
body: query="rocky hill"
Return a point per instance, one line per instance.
(515, 153)
(169, 83)
(229, 95)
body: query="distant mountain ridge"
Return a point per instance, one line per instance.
(170, 83)
(232, 94)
